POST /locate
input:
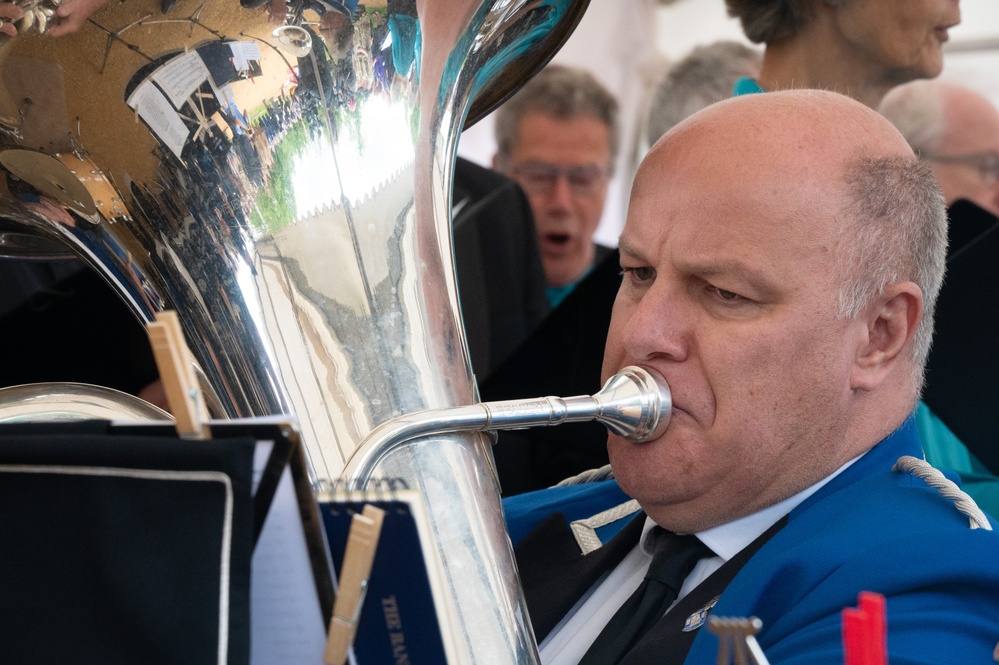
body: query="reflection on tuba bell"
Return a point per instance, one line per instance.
(286, 191)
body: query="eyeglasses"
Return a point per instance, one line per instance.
(541, 178)
(986, 163)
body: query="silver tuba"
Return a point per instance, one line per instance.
(286, 189)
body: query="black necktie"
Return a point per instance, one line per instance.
(674, 558)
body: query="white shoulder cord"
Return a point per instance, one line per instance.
(591, 476)
(585, 530)
(935, 479)
(964, 503)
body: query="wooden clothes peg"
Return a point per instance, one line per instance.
(175, 364)
(358, 557)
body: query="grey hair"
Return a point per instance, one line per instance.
(917, 111)
(562, 92)
(705, 76)
(766, 21)
(899, 233)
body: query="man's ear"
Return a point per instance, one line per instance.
(892, 319)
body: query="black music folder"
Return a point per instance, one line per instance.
(125, 544)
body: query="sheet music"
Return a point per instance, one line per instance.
(153, 107)
(180, 77)
(243, 53)
(286, 621)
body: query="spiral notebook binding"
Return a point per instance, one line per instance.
(342, 493)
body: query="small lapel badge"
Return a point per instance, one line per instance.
(697, 619)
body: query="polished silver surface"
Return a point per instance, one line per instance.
(56, 402)
(634, 403)
(287, 192)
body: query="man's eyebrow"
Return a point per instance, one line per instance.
(740, 269)
(707, 267)
(625, 248)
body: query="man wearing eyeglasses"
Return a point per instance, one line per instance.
(557, 138)
(956, 130)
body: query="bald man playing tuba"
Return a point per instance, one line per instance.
(780, 263)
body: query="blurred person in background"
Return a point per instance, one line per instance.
(705, 76)
(956, 130)
(557, 137)
(859, 48)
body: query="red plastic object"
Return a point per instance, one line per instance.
(865, 638)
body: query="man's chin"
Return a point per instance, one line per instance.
(646, 468)
(633, 463)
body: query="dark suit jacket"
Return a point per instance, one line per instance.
(501, 284)
(963, 364)
(562, 357)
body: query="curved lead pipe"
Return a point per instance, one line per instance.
(634, 403)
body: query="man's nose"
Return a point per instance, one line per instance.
(561, 193)
(659, 327)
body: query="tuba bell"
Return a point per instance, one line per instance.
(286, 189)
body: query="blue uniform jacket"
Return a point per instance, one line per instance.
(869, 529)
